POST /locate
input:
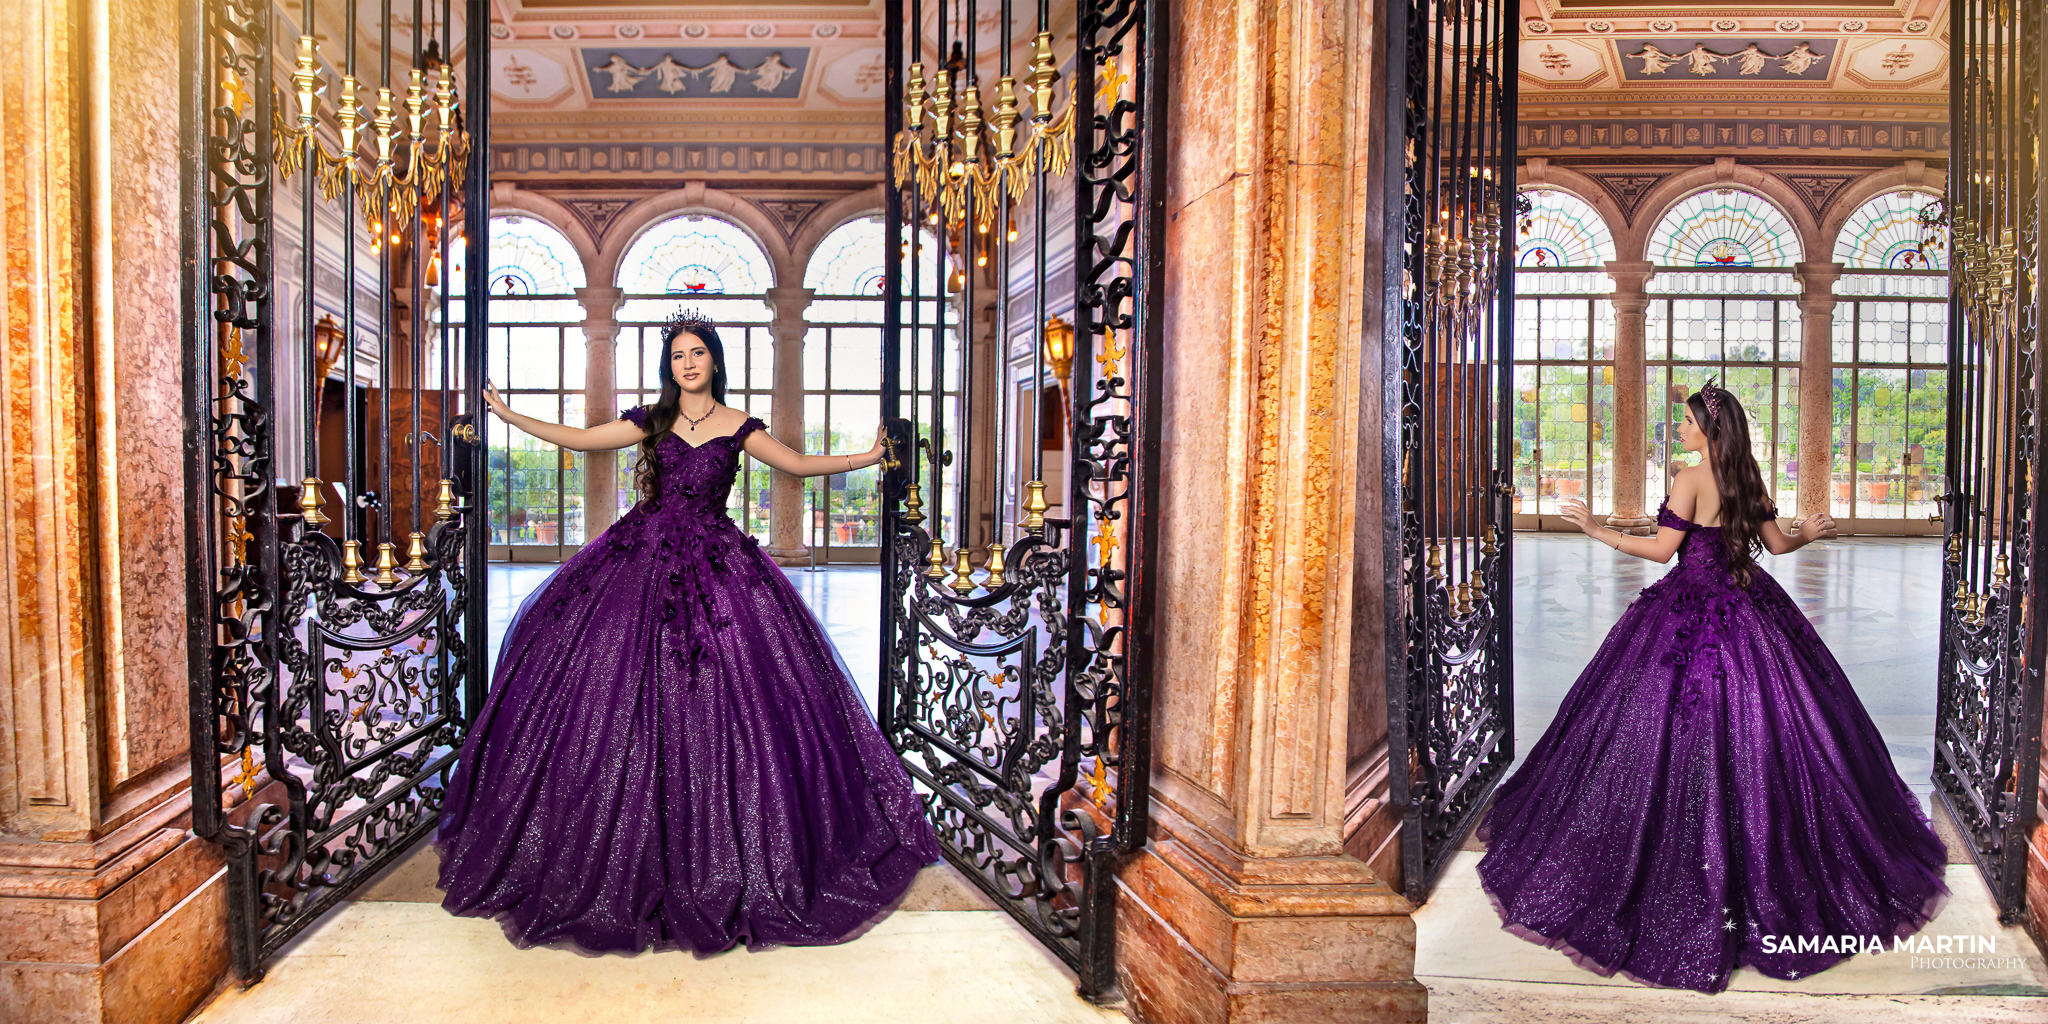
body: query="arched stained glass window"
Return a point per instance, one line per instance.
(1886, 234)
(1725, 227)
(849, 260)
(529, 257)
(1561, 230)
(694, 254)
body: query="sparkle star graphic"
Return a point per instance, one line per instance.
(1791, 974)
(1728, 926)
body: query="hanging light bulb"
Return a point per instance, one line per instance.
(1012, 236)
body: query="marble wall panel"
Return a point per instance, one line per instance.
(136, 350)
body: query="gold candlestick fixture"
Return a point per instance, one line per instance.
(387, 564)
(309, 501)
(963, 573)
(416, 552)
(352, 561)
(994, 580)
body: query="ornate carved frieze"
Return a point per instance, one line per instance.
(664, 160)
(1732, 134)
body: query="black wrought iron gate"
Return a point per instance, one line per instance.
(1449, 292)
(330, 360)
(1015, 642)
(1988, 705)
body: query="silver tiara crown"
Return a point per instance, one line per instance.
(686, 319)
(1711, 393)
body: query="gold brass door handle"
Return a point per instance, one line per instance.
(464, 432)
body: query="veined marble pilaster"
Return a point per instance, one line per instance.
(787, 542)
(1244, 905)
(109, 908)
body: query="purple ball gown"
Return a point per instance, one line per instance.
(671, 753)
(1710, 788)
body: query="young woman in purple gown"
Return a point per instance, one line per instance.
(1711, 790)
(671, 753)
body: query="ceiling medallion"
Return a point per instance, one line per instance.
(1917, 25)
(1535, 27)
(1853, 26)
(1726, 25)
(695, 30)
(500, 30)
(563, 32)
(629, 31)
(1791, 25)
(1602, 27)
(1663, 25)
(760, 30)
(826, 31)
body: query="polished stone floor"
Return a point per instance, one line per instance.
(1875, 602)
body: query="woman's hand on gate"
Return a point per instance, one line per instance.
(496, 403)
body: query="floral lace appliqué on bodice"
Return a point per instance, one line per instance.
(692, 480)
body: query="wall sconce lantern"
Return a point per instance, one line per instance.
(326, 346)
(1059, 348)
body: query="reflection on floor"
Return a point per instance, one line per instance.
(1876, 604)
(392, 954)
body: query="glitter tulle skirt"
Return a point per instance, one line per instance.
(671, 754)
(1710, 788)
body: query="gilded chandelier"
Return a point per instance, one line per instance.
(408, 176)
(948, 147)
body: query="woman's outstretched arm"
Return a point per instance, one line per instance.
(1817, 526)
(603, 437)
(1659, 548)
(776, 454)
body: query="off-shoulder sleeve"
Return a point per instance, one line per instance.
(752, 424)
(637, 415)
(1666, 517)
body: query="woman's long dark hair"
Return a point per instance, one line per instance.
(1745, 505)
(661, 416)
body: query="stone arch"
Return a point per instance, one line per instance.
(1912, 176)
(507, 199)
(634, 221)
(1723, 172)
(828, 218)
(1540, 173)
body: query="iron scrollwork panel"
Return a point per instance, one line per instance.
(1015, 663)
(1989, 686)
(1449, 282)
(329, 692)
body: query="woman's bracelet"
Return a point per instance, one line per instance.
(849, 463)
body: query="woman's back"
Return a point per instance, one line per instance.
(1706, 509)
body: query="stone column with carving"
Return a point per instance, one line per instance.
(787, 542)
(600, 405)
(1816, 384)
(1243, 905)
(1631, 396)
(110, 908)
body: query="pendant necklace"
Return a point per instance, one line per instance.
(696, 420)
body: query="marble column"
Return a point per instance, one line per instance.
(1816, 383)
(1631, 396)
(110, 909)
(1244, 904)
(788, 542)
(600, 405)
